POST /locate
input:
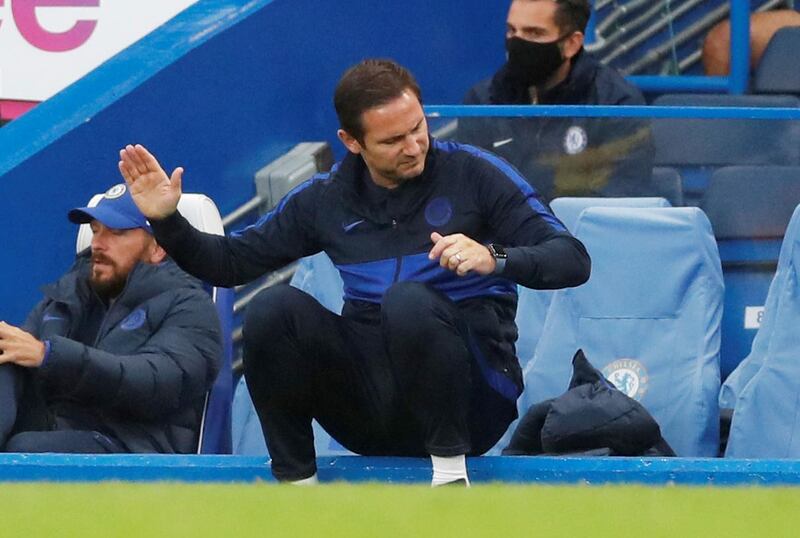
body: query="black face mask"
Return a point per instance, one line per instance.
(530, 63)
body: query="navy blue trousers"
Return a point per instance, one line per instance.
(408, 385)
(26, 425)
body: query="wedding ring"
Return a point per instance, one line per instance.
(458, 257)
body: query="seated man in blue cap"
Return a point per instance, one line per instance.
(119, 354)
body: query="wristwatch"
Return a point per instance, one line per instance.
(500, 257)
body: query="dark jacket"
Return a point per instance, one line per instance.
(137, 371)
(592, 418)
(377, 237)
(568, 156)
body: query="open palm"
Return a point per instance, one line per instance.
(155, 194)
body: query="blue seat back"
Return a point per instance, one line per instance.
(317, 276)
(533, 304)
(667, 182)
(248, 437)
(777, 71)
(764, 390)
(720, 142)
(649, 318)
(697, 146)
(749, 208)
(215, 430)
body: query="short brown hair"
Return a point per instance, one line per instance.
(369, 84)
(571, 15)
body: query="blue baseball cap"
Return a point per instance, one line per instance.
(115, 209)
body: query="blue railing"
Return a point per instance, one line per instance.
(738, 80)
(589, 111)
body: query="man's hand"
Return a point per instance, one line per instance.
(20, 347)
(155, 194)
(461, 254)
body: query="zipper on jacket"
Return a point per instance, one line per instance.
(399, 264)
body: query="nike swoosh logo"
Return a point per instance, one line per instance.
(348, 227)
(48, 317)
(499, 143)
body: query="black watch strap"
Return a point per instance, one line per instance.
(500, 257)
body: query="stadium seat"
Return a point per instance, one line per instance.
(649, 318)
(764, 391)
(777, 71)
(668, 184)
(749, 208)
(696, 146)
(533, 304)
(248, 437)
(215, 428)
(317, 276)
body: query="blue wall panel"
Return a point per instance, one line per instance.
(222, 89)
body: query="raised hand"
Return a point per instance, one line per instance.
(461, 254)
(155, 194)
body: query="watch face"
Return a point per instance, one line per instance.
(497, 251)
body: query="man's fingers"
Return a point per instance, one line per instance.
(126, 175)
(441, 245)
(176, 180)
(147, 158)
(134, 160)
(465, 267)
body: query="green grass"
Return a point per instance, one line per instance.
(144, 510)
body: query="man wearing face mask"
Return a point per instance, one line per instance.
(546, 64)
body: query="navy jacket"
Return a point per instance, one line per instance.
(377, 237)
(137, 371)
(568, 156)
(593, 418)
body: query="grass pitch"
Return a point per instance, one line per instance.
(344, 510)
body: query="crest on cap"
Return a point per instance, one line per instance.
(116, 191)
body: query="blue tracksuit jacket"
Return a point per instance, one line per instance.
(377, 237)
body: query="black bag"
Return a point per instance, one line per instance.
(592, 418)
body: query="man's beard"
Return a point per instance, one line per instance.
(107, 288)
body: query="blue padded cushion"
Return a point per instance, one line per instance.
(749, 202)
(533, 304)
(317, 276)
(649, 316)
(764, 390)
(248, 439)
(777, 70)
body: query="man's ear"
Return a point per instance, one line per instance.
(352, 145)
(156, 254)
(572, 45)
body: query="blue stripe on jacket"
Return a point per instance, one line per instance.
(369, 281)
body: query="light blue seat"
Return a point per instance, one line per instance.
(764, 390)
(533, 304)
(749, 208)
(317, 276)
(248, 438)
(649, 318)
(777, 70)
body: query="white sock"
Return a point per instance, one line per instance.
(450, 469)
(310, 481)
